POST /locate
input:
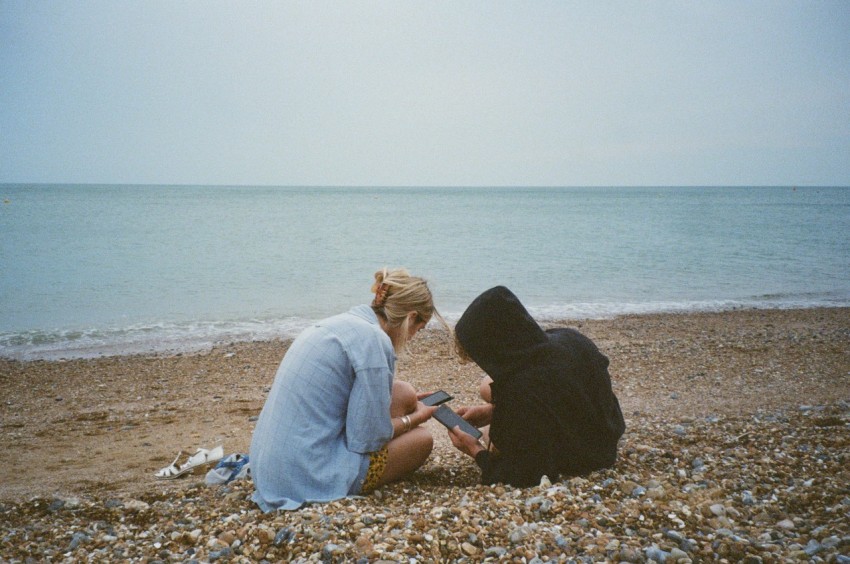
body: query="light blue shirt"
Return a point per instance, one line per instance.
(328, 408)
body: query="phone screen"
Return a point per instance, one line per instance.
(451, 420)
(436, 398)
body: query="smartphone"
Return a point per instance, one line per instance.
(436, 398)
(450, 419)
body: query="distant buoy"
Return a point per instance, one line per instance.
(7, 201)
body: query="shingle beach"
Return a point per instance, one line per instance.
(737, 449)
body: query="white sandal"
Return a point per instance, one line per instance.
(202, 457)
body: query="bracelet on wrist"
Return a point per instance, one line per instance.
(405, 420)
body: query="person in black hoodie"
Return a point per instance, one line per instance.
(552, 409)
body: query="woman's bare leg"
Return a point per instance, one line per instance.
(403, 399)
(484, 389)
(410, 450)
(406, 453)
(487, 395)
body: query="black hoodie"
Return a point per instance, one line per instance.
(554, 411)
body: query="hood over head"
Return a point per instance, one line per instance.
(554, 410)
(496, 331)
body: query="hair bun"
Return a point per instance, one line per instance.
(380, 276)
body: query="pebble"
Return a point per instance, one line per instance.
(283, 536)
(495, 552)
(469, 549)
(136, 505)
(656, 554)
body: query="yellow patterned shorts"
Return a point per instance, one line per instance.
(377, 465)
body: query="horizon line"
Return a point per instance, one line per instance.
(413, 186)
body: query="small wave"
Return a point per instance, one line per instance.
(607, 310)
(142, 339)
(173, 338)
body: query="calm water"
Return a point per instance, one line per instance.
(87, 270)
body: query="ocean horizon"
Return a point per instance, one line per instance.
(91, 270)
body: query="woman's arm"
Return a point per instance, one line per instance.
(405, 423)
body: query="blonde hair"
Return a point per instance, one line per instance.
(397, 294)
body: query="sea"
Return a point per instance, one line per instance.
(98, 270)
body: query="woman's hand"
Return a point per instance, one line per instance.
(465, 442)
(422, 413)
(478, 415)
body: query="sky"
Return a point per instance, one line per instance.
(415, 93)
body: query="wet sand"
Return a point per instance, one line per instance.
(743, 392)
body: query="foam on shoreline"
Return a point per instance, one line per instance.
(187, 338)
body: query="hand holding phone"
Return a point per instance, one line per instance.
(465, 443)
(450, 420)
(479, 415)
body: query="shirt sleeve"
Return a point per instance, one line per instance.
(368, 425)
(482, 459)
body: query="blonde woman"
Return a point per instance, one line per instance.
(335, 422)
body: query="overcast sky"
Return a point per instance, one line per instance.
(425, 93)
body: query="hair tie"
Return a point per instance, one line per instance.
(381, 293)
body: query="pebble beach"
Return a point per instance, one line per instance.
(737, 449)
